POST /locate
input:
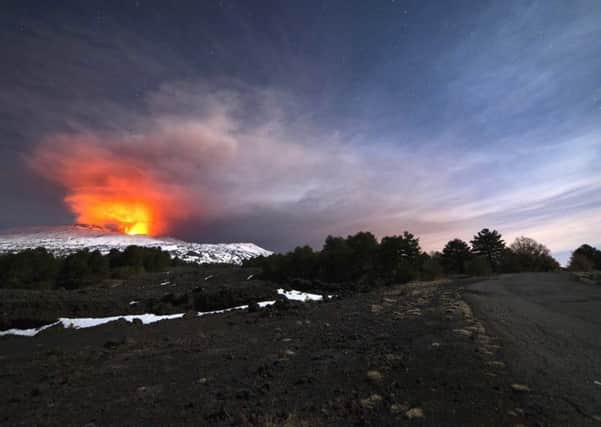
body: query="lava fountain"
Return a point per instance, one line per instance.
(128, 216)
(105, 188)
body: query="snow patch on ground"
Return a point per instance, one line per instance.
(89, 322)
(240, 307)
(28, 332)
(300, 296)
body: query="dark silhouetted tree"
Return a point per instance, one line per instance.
(302, 263)
(272, 266)
(98, 264)
(39, 269)
(489, 244)
(357, 260)
(526, 254)
(454, 256)
(580, 262)
(399, 258)
(334, 260)
(363, 249)
(75, 271)
(432, 266)
(138, 259)
(591, 253)
(155, 259)
(31, 268)
(133, 257)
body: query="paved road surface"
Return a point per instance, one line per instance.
(550, 325)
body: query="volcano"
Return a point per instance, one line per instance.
(64, 240)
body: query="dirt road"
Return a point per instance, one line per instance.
(550, 325)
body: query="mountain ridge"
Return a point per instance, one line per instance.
(63, 240)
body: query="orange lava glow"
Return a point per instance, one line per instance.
(109, 190)
(128, 216)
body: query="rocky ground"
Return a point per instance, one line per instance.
(407, 355)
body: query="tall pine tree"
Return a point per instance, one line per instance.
(454, 256)
(490, 245)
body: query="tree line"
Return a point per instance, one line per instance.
(361, 258)
(40, 269)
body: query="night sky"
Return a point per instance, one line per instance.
(281, 122)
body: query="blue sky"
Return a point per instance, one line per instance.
(288, 121)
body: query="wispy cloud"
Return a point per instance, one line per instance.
(238, 151)
(440, 122)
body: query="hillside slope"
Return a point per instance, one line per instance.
(68, 239)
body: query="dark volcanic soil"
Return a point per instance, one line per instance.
(408, 355)
(188, 288)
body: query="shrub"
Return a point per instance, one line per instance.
(432, 268)
(580, 262)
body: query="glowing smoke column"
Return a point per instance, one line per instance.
(109, 189)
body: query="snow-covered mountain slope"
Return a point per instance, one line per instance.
(68, 239)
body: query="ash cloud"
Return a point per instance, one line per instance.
(207, 158)
(238, 164)
(455, 120)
